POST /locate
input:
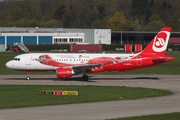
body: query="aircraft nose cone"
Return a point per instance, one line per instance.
(9, 65)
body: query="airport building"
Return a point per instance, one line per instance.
(11, 35)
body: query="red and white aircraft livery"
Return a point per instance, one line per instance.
(67, 64)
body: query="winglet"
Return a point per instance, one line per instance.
(159, 43)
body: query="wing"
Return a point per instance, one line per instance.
(82, 68)
(87, 66)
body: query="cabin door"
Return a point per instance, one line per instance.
(28, 60)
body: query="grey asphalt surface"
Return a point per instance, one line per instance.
(98, 110)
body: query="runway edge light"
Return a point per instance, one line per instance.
(121, 98)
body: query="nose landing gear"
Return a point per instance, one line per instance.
(28, 76)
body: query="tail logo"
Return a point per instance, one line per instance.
(161, 41)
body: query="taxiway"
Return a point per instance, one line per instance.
(98, 110)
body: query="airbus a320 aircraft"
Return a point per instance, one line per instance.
(67, 64)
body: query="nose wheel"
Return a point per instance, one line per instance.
(28, 76)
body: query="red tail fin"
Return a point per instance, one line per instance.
(159, 43)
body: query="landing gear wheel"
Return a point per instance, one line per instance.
(28, 78)
(85, 77)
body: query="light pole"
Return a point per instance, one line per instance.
(121, 37)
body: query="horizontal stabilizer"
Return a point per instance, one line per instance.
(163, 59)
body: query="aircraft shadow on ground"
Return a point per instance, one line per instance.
(49, 79)
(91, 78)
(130, 78)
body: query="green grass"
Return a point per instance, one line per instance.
(16, 96)
(167, 68)
(169, 116)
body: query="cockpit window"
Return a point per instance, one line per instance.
(16, 59)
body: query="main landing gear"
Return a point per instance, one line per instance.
(85, 77)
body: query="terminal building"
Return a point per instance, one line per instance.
(10, 35)
(37, 36)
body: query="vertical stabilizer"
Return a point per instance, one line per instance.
(159, 43)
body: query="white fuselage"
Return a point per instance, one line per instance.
(30, 61)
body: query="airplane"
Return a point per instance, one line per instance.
(68, 64)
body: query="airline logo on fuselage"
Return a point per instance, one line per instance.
(161, 41)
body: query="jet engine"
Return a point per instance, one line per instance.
(64, 72)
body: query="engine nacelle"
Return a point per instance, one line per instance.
(64, 72)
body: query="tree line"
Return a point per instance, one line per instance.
(126, 15)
